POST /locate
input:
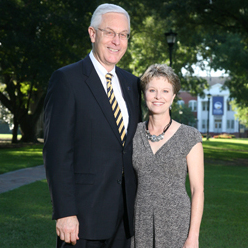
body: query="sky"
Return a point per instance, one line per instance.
(212, 73)
(207, 72)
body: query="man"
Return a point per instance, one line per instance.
(92, 109)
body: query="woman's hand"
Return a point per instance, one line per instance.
(191, 243)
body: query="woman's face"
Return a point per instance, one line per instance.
(159, 95)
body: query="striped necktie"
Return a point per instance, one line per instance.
(115, 108)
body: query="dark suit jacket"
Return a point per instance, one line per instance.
(83, 155)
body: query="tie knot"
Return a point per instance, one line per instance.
(108, 76)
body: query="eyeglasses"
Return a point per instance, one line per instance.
(111, 34)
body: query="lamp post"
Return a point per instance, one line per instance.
(171, 39)
(209, 96)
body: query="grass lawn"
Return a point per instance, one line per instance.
(19, 158)
(25, 213)
(25, 217)
(225, 219)
(8, 136)
(229, 151)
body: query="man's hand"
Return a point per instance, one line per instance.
(67, 229)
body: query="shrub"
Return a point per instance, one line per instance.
(224, 136)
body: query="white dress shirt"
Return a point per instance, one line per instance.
(101, 71)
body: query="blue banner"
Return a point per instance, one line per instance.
(218, 106)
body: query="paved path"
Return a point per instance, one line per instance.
(15, 179)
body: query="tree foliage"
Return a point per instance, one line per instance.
(183, 114)
(219, 32)
(148, 46)
(36, 38)
(241, 113)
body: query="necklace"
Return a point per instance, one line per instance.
(156, 138)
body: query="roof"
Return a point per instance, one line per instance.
(216, 80)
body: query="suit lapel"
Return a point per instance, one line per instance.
(94, 83)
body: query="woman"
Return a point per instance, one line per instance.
(164, 151)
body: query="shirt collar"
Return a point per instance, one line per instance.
(99, 68)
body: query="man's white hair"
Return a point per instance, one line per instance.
(102, 9)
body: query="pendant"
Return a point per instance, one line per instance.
(154, 138)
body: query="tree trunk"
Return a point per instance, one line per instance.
(28, 122)
(28, 129)
(15, 131)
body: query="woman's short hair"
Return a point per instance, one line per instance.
(102, 9)
(161, 70)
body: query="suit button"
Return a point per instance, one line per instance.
(124, 152)
(119, 181)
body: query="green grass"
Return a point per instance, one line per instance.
(234, 151)
(225, 219)
(19, 158)
(227, 143)
(25, 213)
(25, 217)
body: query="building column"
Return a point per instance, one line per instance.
(224, 119)
(211, 117)
(199, 114)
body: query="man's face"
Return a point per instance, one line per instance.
(109, 50)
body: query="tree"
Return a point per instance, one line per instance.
(6, 116)
(182, 114)
(240, 113)
(148, 46)
(222, 27)
(36, 38)
(231, 54)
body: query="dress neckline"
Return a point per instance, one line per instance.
(146, 142)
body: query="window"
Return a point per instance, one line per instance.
(229, 107)
(193, 105)
(180, 102)
(230, 124)
(204, 122)
(204, 106)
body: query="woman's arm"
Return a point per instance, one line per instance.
(195, 162)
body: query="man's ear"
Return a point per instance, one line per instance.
(92, 34)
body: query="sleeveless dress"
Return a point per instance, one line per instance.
(162, 207)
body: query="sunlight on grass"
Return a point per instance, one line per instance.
(240, 141)
(19, 158)
(232, 150)
(9, 136)
(235, 144)
(236, 191)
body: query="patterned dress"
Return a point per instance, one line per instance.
(163, 207)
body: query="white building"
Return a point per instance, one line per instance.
(220, 114)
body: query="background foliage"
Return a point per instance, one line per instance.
(37, 37)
